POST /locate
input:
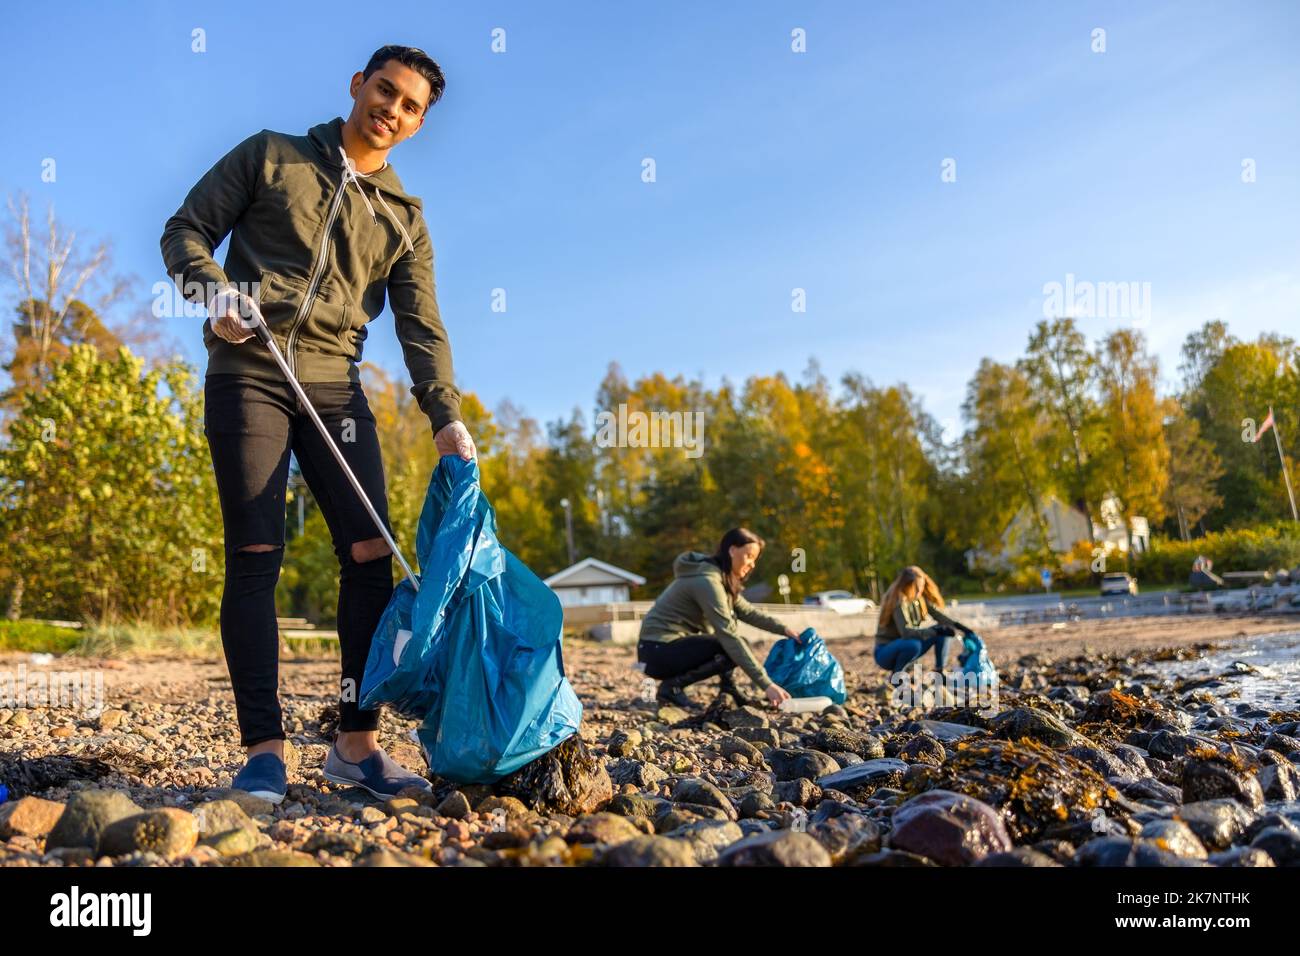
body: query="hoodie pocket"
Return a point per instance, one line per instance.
(279, 298)
(326, 327)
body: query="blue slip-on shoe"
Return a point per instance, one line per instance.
(378, 773)
(263, 776)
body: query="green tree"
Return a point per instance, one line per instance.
(1202, 350)
(1244, 381)
(108, 496)
(568, 470)
(512, 478)
(1194, 469)
(1003, 449)
(882, 462)
(1060, 371)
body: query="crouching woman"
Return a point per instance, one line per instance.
(690, 634)
(912, 622)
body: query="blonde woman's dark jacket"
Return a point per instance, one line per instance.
(908, 620)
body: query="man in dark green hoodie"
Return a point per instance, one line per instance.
(691, 631)
(321, 234)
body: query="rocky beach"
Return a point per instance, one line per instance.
(1164, 742)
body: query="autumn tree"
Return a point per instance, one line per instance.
(1133, 461)
(106, 495)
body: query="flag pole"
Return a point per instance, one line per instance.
(1286, 476)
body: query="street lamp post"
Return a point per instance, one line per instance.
(568, 526)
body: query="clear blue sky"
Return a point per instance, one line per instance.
(775, 170)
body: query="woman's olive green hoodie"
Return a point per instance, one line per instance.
(697, 603)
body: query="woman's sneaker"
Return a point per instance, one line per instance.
(672, 692)
(727, 687)
(379, 774)
(263, 776)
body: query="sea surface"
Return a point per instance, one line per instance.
(1271, 681)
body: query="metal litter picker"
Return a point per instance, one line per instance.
(257, 325)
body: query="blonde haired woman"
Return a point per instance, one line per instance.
(902, 632)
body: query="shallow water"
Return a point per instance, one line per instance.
(1275, 656)
(1276, 686)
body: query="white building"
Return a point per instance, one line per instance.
(1065, 526)
(591, 581)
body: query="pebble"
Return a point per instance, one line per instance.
(793, 763)
(86, 815)
(29, 816)
(167, 832)
(602, 828)
(786, 848)
(949, 828)
(693, 790)
(653, 851)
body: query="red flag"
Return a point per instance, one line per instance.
(1265, 425)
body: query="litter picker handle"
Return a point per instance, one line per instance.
(257, 324)
(255, 320)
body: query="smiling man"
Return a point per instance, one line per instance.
(322, 232)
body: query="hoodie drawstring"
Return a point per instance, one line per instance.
(402, 229)
(349, 172)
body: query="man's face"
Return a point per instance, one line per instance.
(389, 107)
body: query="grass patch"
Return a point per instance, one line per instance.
(133, 640)
(137, 640)
(314, 647)
(38, 637)
(116, 640)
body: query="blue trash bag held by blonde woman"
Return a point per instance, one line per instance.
(977, 670)
(475, 653)
(805, 668)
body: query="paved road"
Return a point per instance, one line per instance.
(1030, 607)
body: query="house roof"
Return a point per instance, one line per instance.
(591, 571)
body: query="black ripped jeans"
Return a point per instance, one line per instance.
(252, 425)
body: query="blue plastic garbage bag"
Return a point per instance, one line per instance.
(806, 668)
(476, 652)
(409, 690)
(976, 667)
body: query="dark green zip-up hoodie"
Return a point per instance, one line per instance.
(319, 250)
(698, 603)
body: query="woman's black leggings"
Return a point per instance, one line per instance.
(665, 660)
(252, 425)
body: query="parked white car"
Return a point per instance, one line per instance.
(842, 602)
(1117, 582)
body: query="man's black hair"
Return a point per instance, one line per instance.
(417, 60)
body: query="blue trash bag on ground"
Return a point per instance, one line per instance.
(475, 653)
(976, 667)
(805, 668)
